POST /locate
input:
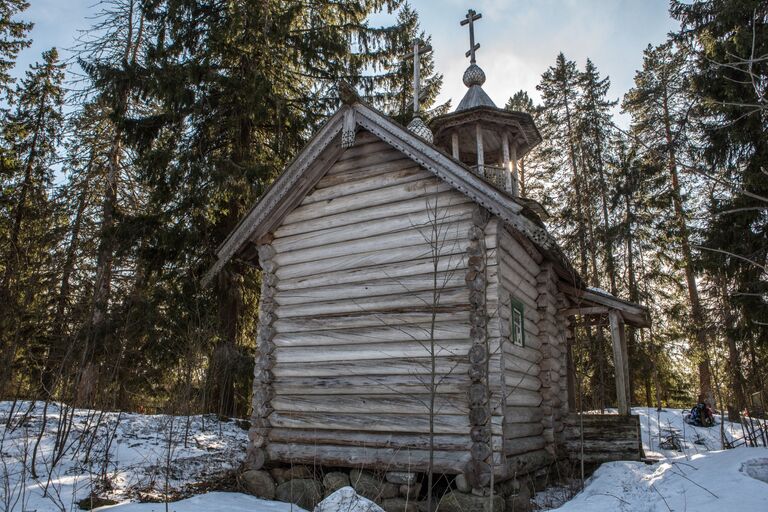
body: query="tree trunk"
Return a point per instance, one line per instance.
(706, 392)
(734, 359)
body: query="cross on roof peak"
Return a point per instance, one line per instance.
(419, 49)
(470, 19)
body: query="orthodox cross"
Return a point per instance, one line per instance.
(418, 49)
(470, 20)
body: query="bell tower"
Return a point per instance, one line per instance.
(488, 139)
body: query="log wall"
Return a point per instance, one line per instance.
(533, 393)
(361, 267)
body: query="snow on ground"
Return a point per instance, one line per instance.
(114, 455)
(698, 475)
(229, 501)
(138, 457)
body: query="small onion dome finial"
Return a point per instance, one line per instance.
(474, 76)
(418, 127)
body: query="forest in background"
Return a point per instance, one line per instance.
(186, 110)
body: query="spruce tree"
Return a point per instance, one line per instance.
(521, 102)
(394, 89)
(31, 134)
(13, 39)
(238, 89)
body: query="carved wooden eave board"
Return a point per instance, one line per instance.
(591, 302)
(327, 145)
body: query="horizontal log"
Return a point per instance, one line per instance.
(362, 352)
(376, 182)
(455, 365)
(423, 221)
(514, 415)
(440, 442)
(521, 359)
(333, 178)
(386, 195)
(412, 423)
(394, 271)
(448, 462)
(514, 380)
(364, 147)
(379, 335)
(614, 445)
(514, 250)
(452, 233)
(358, 321)
(526, 463)
(370, 385)
(523, 445)
(602, 457)
(416, 403)
(366, 212)
(455, 299)
(436, 282)
(518, 430)
(371, 155)
(522, 398)
(411, 253)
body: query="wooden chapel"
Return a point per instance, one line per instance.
(413, 304)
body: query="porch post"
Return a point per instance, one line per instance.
(620, 361)
(570, 366)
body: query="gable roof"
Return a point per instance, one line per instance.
(325, 147)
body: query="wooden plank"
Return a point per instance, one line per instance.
(365, 147)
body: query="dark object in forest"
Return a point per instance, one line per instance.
(701, 415)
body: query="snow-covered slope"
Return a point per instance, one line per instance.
(698, 476)
(114, 455)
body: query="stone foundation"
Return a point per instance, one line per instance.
(393, 491)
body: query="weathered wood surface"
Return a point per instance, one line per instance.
(351, 335)
(524, 437)
(441, 442)
(408, 423)
(448, 462)
(606, 437)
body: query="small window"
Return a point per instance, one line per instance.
(516, 323)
